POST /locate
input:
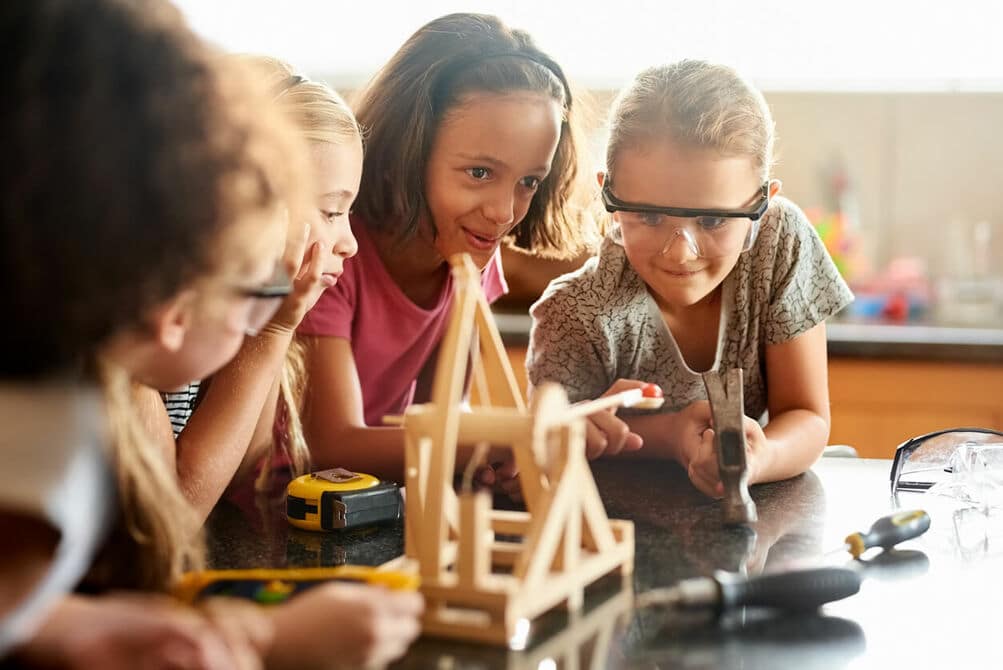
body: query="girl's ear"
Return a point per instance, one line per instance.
(775, 185)
(171, 320)
(601, 178)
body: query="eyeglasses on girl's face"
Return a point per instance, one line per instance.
(266, 299)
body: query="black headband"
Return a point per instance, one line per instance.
(449, 72)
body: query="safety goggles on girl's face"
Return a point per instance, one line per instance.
(709, 233)
(266, 299)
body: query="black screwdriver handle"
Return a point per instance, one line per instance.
(800, 590)
(889, 530)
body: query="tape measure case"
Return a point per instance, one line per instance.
(337, 499)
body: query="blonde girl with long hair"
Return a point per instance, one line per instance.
(334, 139)
(230, 419)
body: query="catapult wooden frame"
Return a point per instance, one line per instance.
(486, 573)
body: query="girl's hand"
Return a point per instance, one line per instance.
(702, 466)
(309, 283)
(501, 478)
(137, 630)
(342, 625)
(695, 447)
(757, 448)
(606, 433)
(244, 627)
(687, 430)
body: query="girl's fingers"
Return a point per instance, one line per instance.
(240, 622)
(311, 267)
(508, 469)
(296, 246)
(704, 484)
(237, 615)
(512, 488)
(616, 431)
(410, 604)
(215, 654)
(699, 412)
(633, 442)
(486, 476)
(621, 385)
(702, 469)
(178, 654)
(595, 440)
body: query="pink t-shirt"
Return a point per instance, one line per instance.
(392, 338)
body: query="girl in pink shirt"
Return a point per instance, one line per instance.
(469, 142)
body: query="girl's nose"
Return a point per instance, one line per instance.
(500, 210)
(346, 245)
(681, 245)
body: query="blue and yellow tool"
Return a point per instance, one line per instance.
(268, 586)
(888, 531)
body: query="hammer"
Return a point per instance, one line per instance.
(724, 391)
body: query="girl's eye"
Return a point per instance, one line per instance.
(711, 222)
(532, 183)
(331, 216)
(479, 173)
(650, 218)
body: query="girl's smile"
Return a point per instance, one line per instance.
(682, 274)
(480, 241)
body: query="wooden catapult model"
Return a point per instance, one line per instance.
(487, 573)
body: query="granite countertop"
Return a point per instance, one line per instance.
(926, 341)
(929, 604)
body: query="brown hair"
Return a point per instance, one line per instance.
(126, 152)
(697, 104)
(402, 107)
(137, 164)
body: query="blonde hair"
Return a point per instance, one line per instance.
(159, 534)
(697, 104)
(321, 115)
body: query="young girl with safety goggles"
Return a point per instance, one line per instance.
(705, 268)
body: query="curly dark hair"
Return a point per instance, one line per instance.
(128, 150)
(402, 107)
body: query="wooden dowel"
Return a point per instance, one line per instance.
(585, 408)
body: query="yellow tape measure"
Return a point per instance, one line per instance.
(337, 499)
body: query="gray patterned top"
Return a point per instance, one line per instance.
(599, 324)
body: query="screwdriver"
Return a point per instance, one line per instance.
(888, 531)
(798, 590)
